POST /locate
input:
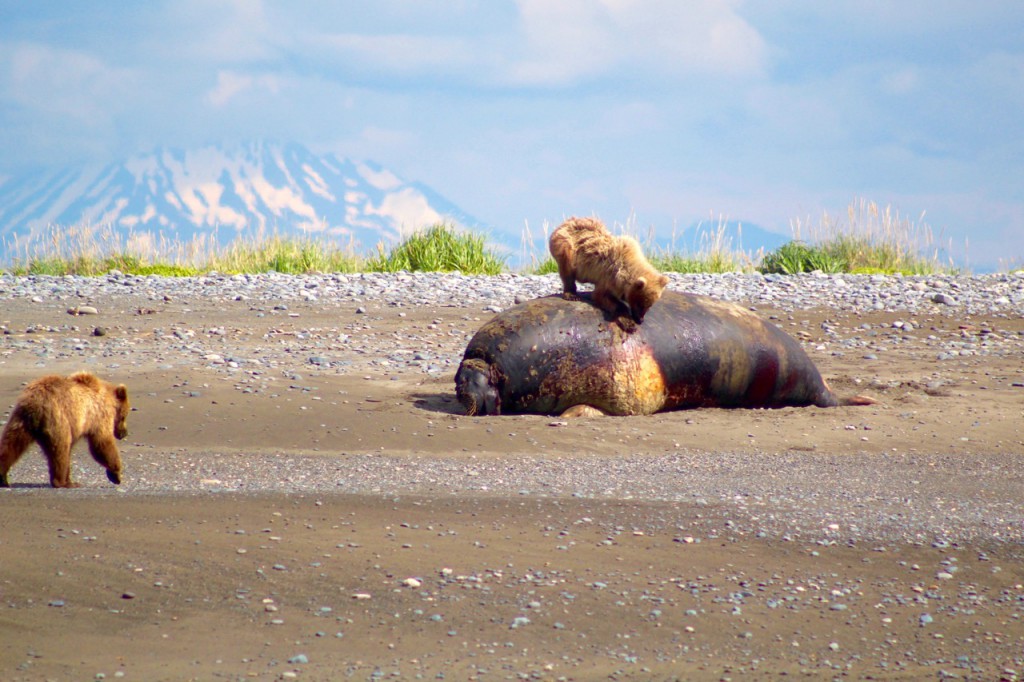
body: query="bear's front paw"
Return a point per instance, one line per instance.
(627, 324)
(114, 477)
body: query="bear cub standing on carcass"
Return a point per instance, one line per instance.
(586, 251)
(56, 412)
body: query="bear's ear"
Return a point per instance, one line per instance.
(640, 284)
(663, 281)
(121, 392)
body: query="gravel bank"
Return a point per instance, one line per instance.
(996, 295)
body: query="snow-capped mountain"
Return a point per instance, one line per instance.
(223, 192)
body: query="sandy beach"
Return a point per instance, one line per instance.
(303, 498)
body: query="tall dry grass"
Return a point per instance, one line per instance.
(875, 239)
(868, 239)
(87, 250)
(91, 250)
(711, 250)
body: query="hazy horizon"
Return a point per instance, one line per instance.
(522, 113)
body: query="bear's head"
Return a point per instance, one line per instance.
(643, 294)
(121, 413)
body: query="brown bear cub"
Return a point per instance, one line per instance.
(623, 279)
(56, 412)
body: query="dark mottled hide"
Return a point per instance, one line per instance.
(549, 355)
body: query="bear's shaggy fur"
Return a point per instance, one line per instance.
(56, 412)
(586, 251)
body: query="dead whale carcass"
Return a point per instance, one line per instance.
(549, 355)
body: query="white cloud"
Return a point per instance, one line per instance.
(231, 83)
(72, 83)
(557, 44)
(402, 54)
(564, 41)
(901, 81)
(627, 118)
(579, 39)
(228, 85)
(233, 32)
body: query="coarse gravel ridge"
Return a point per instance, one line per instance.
(993, 294)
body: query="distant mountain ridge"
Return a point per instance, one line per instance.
(223, 192)
(732, 235)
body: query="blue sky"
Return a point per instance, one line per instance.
(660, 112)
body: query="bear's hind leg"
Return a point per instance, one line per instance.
(58, 459)
(60, 470)
(104, 451)
(13, 444)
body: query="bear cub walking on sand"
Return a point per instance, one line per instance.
(586, 251)
(56, 412)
